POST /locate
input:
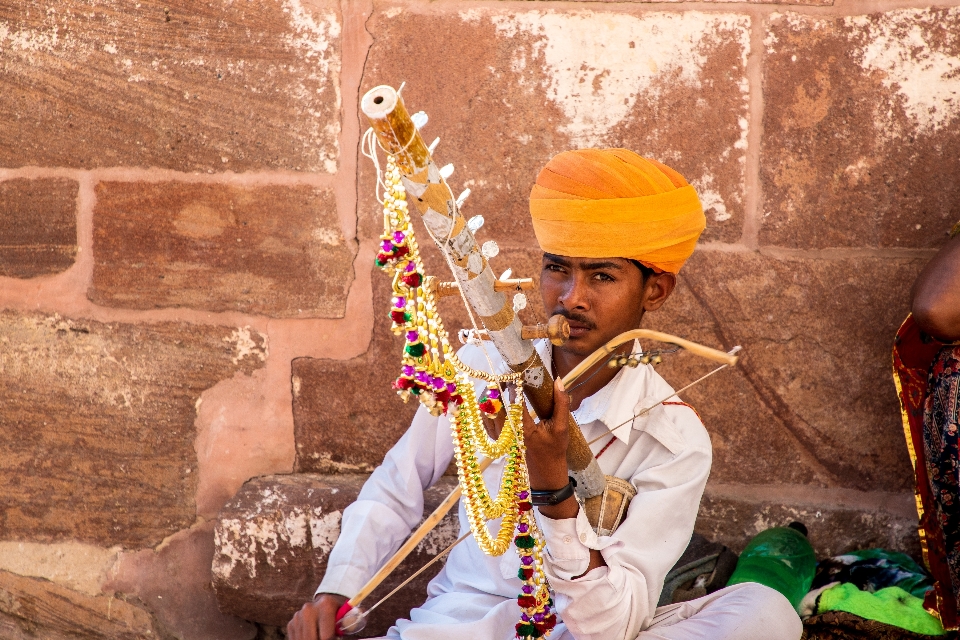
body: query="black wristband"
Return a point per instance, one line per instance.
(550, 498)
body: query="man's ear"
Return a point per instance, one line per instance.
(657, 289)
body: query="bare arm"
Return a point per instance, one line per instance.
(936, 294)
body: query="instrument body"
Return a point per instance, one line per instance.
(424, 183)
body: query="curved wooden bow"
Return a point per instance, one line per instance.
(729, 359)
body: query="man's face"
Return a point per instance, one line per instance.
(601, 298)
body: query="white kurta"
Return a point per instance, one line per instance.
(666, 454)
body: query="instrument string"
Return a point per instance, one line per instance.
(647, 410)
(418, 572)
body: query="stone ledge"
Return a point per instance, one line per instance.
(839, 520)
(273, 538)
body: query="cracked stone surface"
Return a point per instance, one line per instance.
(98, 428)
(273, 250)
(518, 86)
(812, 400)
(861, 144)
(191, 86)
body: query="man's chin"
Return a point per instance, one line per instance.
(581, 343)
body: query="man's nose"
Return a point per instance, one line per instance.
(574, 295)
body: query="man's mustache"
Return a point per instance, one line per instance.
(576, 317)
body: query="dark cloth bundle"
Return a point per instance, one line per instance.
(839, 625)
(872, 570)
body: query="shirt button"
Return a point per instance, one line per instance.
(567, 539)
(583, 538)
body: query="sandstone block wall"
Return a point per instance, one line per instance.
(187, 230)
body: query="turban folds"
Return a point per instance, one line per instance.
(612, 203)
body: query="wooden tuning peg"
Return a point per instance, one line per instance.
(440, 289)
(513, 284)
(557, 330)
(444, 289)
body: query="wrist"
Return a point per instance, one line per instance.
(552, 497)
(548, 478)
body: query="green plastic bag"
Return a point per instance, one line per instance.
(780, 558)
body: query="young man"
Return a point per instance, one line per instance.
(926, 359)
(615, 229)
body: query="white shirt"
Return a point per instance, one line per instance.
(666, 454)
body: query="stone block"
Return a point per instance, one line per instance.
(861, 142)
(97, 424)
(34, 608)
(812, 400)
(38, 226)
(838, 521)
(273, 250)
(518, 85)
(191, 86)
(273, 539)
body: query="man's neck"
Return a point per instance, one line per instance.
(592, 380)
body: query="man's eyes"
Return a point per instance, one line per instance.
(603, 277)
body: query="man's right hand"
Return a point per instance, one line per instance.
(316, 620)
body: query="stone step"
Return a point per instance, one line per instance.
(273, 538)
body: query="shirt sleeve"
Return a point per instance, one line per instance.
(389, 506)
(617, 601)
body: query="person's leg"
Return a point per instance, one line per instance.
(746, 611)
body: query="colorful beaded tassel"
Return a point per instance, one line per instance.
(431, 372)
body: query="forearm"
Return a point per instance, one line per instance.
(936, 294)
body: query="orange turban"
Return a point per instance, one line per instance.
(611, 203)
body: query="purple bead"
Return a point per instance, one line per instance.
(526, 560)
(410, 267)
(398, 237)
(527, 589)
(399, 302)
(525, 617)
(439, 384)
(421, 376)
(493, 394)
(522, 527)
(523, 495)
(412, 336)
(546, 608)
(539, 617)
(452, 388)
(407, 370)
(386, 245)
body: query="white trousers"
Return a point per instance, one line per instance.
(742, 612)
(746, 611)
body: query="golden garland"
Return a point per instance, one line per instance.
(432, 372)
